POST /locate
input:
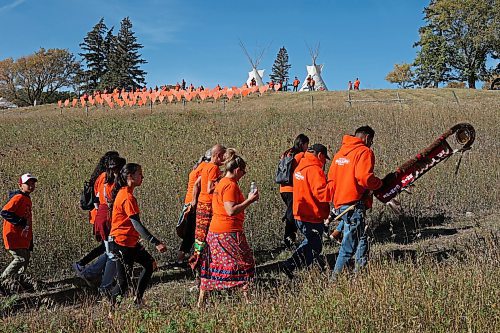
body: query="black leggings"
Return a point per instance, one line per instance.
(290, 227)
(124, 265)
(94, 253)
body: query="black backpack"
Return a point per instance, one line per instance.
(87, 198)
(285, 169)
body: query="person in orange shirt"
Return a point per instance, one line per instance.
(104, 266)
(228, 261)
(187, 220)
(126, 231)
(18, 227)
(356, 84)
(295, 84)
(207, 180)
(96, 180)
(313, 84)
(311, 197)
(352, 179)
(300, 146)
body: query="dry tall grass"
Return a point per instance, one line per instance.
(459, 295)
(61, 148)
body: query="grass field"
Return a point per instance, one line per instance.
(61, 147)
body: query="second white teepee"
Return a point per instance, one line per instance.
(314, 72)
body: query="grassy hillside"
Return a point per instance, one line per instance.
(62, 147)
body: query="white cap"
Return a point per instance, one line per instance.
(24, 178)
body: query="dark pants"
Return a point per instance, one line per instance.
(188, 240)
(290, 228)
(310, 248)
(126, 256)
(94, 253)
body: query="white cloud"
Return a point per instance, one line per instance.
(11, 5)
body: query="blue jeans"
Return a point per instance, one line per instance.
(311, 246)
(94, 270)
(354, 241)
(104, 266)
(109, 274)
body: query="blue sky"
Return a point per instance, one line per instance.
(199, 40)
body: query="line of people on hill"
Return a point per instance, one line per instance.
(212, 217)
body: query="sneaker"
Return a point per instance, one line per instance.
(78, 269)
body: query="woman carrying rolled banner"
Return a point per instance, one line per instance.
(228, 261)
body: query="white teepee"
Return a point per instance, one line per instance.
(314, 72)
(255, 73)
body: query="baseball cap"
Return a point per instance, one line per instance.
(24, 178)
(319, 148)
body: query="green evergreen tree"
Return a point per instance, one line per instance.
(126, 58)
(112, 76)
(93, 56)
(281, 66)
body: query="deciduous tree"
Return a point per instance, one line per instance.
(38, 76)
(402, 75)
(467, 27)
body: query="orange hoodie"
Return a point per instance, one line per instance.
(351, 172)
(311, 193)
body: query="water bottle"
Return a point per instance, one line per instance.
(253, 187)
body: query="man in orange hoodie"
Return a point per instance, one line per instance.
(351, 176)
(311, 197)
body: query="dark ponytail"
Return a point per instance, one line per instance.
(300, 140)
(101, 166)
(114, 165)
(121, 180)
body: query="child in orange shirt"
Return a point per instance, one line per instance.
(17, 227)
(126, 231)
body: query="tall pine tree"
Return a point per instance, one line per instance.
(111, 78)
(94, 56)
(281, 67)
(126, 58)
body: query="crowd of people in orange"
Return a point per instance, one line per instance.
(212, 220)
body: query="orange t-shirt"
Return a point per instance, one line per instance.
(210, 172)
(13, 238)
(122, 229)
(289, 188)
(193, 176)
(226, 191)
(97, 185)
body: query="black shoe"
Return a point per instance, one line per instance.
(287, 270)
